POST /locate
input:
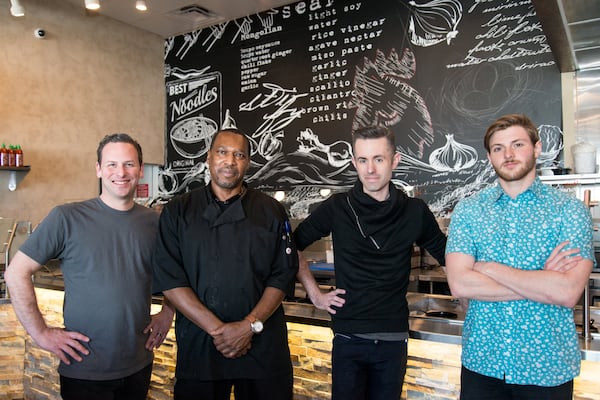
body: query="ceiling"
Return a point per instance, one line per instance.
(573, 31)
(173, 17)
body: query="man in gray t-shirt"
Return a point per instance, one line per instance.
(105, 246)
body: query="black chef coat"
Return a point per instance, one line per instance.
(228, 257)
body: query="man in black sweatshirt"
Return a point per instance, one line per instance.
(374, 227)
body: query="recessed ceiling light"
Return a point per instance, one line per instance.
(16, 9)
(141, 5)
(92, 4)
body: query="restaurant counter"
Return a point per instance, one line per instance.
(433, 369)
(440, 318)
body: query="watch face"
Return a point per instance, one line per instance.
(257, 326)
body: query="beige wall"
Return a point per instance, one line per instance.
(59, 96)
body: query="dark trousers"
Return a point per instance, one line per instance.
(132, 387)
(274, 388)
(367, 369)
(474, 386)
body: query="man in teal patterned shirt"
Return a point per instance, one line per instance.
(521, 252)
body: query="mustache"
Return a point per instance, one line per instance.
(229, 169)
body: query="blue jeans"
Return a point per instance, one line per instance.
(132, 387)
(475, 386)
(367, 369)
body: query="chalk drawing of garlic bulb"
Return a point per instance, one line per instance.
(383, 96)
(453, 156)
(552, 143)
(434, 22)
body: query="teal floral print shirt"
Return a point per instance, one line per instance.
(521, 341)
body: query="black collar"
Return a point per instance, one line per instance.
(223, 204)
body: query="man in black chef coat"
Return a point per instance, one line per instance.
(225, 259)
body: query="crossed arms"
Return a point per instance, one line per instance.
(561, 282)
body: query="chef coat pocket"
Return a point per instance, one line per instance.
(263, 248)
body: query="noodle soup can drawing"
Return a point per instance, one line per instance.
(194, 110)
(191, 137)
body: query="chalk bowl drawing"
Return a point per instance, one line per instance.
(191, 137)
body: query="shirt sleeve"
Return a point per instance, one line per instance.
(48, 238)
(167, 261)
(460, 231)
(432, 239)
(577, 228)
(285, 265)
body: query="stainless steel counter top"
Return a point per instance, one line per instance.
(437, 329)
(421, 325)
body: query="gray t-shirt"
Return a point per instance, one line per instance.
(105, 259)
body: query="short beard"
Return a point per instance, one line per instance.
(518, 174)
(228, 185)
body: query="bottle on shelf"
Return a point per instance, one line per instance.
(12, 162)
(3, 156)
(18, 156)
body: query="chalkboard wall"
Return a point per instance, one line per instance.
(299, 78)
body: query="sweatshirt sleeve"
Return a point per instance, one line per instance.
(316, 226)
(432, 238)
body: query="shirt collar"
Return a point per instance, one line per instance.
(536, 189)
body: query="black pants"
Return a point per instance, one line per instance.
(474, 386)
(275, 388)
(132, 387)
(367, 369)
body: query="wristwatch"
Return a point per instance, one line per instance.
(255, 324)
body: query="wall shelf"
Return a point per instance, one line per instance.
(571, 179)
(16, 175)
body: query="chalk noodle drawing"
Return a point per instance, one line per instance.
(183, 73)
(169, 45)
(191, 137)
(244, 26)
(216, 33)
(189, 40)
(434, 22)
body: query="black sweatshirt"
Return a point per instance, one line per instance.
(372, 244)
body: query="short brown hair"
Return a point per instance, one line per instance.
(375, 132)
(119, 138)
(507, 121)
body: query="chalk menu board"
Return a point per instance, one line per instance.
(297, 79)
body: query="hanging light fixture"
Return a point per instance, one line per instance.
(16, 9)
(92, 4)
(141, 5)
